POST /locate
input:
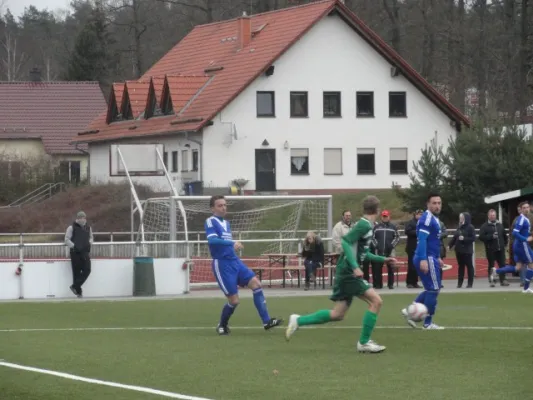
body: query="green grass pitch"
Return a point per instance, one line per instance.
(466, 361)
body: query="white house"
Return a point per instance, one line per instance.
(299, 99)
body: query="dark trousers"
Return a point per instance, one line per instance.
(465, 261)
(377, 277)
(310, 269)
(366, 270)
(496, 257)
(81, 269)
(412, 275)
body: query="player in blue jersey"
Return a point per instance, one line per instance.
(523, 255)
(229, 271)
(427, 260)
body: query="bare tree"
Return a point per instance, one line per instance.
(14, 60)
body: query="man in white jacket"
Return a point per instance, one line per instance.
(340, 229)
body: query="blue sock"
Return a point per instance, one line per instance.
(529, 276)
(431, 304)
(421, 297)
(227, 312)
(507, 269)
(260, 304)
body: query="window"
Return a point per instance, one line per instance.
(69, 171)
(398, 160)
(174, 161)
(195, 160)
(332, 161)
(185, 160)
(366, 162)
(299, 161)
(365, 104)
(332, 104)
(397, 104)
(165, 159)
(265, 104)
(299, 105)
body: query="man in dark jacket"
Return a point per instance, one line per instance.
(386, 237)
(493, 234)
(463, 240)
(410, 247)
(78, 238)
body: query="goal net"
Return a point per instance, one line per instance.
(265, 225)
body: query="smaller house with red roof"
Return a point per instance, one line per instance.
(302, 98)
(38, 120)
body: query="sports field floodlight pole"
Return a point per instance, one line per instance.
(134, 193)
(173, 222)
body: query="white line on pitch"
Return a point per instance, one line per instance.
(102, 383)
(199, 328)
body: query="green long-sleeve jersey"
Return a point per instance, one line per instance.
(355, 248)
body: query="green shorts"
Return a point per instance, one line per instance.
(345, 289)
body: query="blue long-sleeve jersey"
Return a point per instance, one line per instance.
(428, 235)
(219, 238)
(521, 229)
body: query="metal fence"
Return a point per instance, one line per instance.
(123, 245)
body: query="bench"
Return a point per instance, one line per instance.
(320, 274)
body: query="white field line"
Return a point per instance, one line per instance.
(201, 328)
(100, 382)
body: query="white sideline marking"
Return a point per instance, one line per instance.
(200, 328)
(102, 383)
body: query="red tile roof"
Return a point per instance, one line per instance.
(183, 88)
(212, 49)
(52, 111)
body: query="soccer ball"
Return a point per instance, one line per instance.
(417, 312)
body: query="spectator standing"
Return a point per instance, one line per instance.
(313, 252)
(511, 253)
(494, 236)
(78, 238)
(463, 240)
(386, 237)
(410, 247)
(340, 229)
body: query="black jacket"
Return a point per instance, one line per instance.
(410, 232)
(467, 231)
(494, 236)
(386, 237)
(81, 237)
(313, 251)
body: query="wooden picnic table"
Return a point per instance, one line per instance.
(280, 261)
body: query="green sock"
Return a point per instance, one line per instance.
(369, 322)
(320, 317)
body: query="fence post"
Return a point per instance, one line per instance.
(281, 242)
(112, 247)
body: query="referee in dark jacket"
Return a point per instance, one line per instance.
(410, 247)
(495, 238)
(78, 238)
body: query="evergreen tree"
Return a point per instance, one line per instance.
(427, 176)
(91, 58)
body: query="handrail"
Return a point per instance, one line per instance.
(41, 193)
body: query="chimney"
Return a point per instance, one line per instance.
(245, 31)
(35, 75)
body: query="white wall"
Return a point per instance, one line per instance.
(109, 278)
(99, 162)
(330, 57)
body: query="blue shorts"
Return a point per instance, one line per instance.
(431, 280)
(522, 253)
(230, 274)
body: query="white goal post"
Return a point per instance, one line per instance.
(264, 224)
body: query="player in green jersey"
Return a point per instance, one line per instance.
(349, 282)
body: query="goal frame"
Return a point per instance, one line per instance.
(178, 200)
